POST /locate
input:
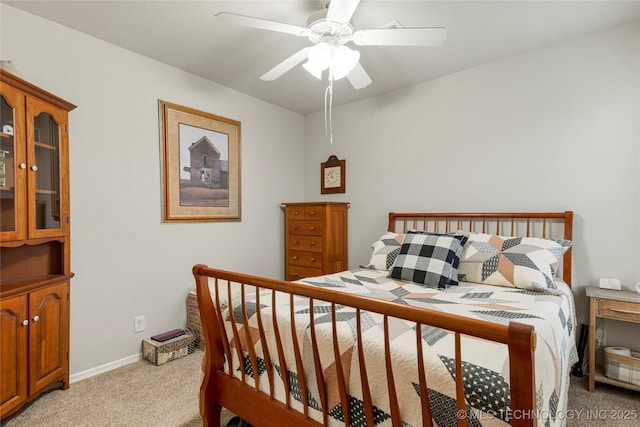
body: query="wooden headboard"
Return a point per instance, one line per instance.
(548, 225)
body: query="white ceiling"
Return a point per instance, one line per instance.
(185, 34)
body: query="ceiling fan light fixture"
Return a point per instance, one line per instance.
(339, 59)
(313, 68)
(343, 61)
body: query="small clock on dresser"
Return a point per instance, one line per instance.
(332, 176)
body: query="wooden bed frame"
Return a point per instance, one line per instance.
(260, 408)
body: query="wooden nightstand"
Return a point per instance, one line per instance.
(619, 305)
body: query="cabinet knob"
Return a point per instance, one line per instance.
(36, 318)
(34, 168)
(25, 322)
(23, 165)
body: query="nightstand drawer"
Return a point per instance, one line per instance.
(305, 259)
(308, 228)
(305, 243)
(621, 310)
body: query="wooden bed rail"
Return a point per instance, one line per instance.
(549, 225)
(258, 406)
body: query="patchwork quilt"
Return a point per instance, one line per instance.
(485, 364)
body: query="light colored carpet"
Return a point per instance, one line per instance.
(142, 394)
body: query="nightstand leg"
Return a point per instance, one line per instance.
(592, 342)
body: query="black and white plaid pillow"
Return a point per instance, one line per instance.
(429, 259)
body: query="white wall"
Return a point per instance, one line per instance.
(552, 129)
(127, 262)
(549, 130)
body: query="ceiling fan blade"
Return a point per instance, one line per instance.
(286, 65)
(401, 37)
(263, 24)
(358, 77)
(342, 10)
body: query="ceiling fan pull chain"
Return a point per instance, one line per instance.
(328, 102)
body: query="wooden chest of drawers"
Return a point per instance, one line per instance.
(315, 239)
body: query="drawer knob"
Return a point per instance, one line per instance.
(313, 260)
(313, 228)
(313, 213)
(313, 243)
(295, 227)
(295, 258)
(295, 242)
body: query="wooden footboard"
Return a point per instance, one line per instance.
(256, 403)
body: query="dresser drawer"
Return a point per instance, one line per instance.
(305, 243)
(313, 212)
(297, 273)
(621, 310)
(295, 212)
(306, 228)
(305, 259)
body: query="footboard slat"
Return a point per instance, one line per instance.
(461, 403)
(266, 355)
(223, 332)
(282, 361)
(322, 389)
(364, 378)
(422, 379)
(302, 379)
(342, 384)
(396, 421)
(247, 333)
(236, 335)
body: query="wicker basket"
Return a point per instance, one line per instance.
(193, 319)
(622, 368)
(159, 353)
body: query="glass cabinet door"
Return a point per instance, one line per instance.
(12, 164)
(45, 127)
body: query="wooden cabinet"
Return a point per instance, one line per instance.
(608, 304)
(315, 239)
(35, 345)
(35, 266)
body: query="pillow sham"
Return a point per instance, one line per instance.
(429, 259)
(385, 251)
(517, 262)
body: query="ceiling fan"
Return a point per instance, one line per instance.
(329, 35)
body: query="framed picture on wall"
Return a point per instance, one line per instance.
(200, 165)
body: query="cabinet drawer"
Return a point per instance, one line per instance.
(305, 243)
(313, 212)
(621, 310)
(305, 259)
(297, 273)
(308, 228)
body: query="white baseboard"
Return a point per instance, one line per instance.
(104, 368)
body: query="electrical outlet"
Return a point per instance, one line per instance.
(138, 324)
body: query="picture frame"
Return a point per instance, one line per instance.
(200, 165)
(333, 176)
